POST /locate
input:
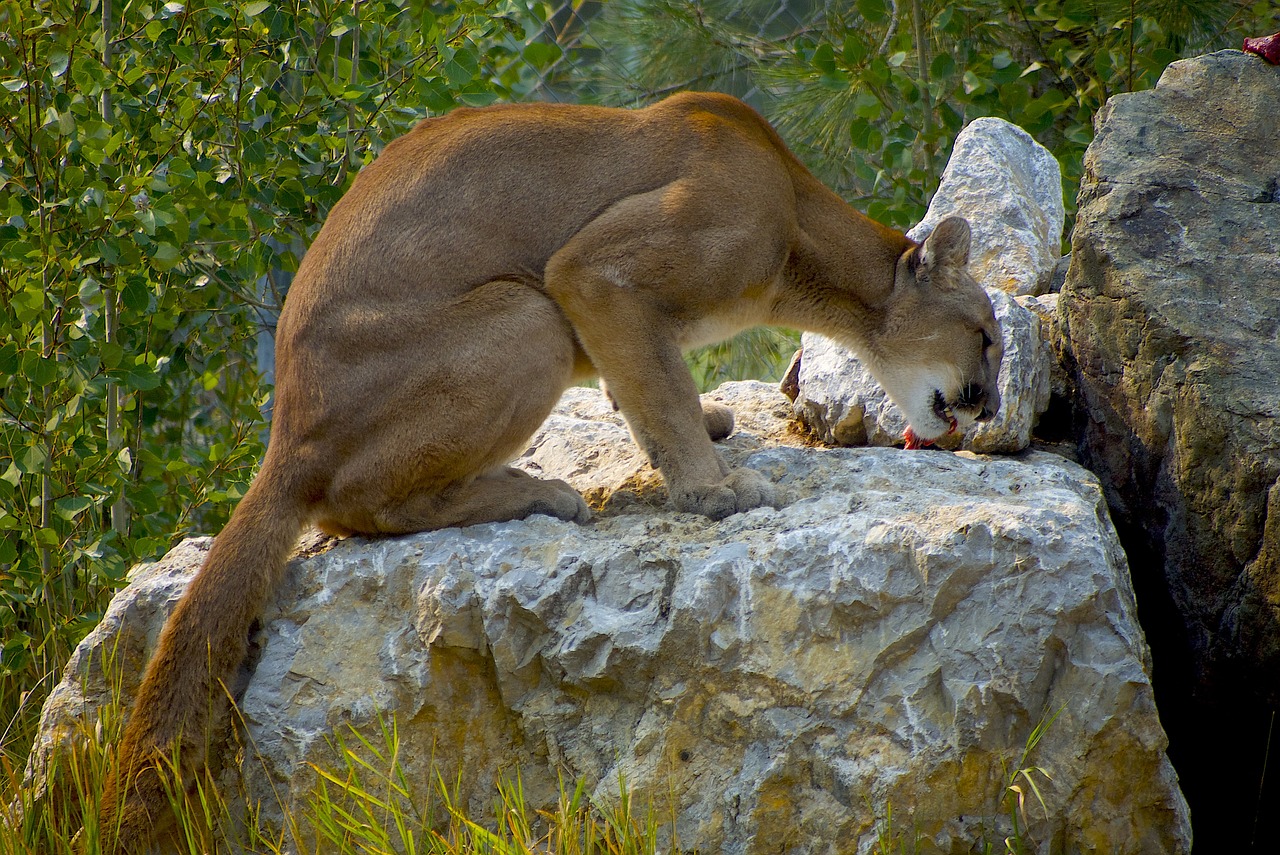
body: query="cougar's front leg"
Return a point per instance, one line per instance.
(648, 379)
(615, 281)
(716, 418)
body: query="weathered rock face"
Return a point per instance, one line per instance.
(1172, 309)
(1010, 189)
(774, 682)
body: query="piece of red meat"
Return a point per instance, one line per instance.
(1267, 47)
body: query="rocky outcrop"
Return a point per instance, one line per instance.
(1172, 311)
(1009, 188)
(774, 682)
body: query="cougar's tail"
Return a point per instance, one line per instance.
(205, 639)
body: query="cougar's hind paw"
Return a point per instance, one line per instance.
(563, 503)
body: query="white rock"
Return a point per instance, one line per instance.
(774, 682)
(1009, 188)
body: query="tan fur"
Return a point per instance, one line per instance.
(488, 260)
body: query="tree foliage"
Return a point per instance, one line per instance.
(872, 93)
(163, 165)
(158, 185)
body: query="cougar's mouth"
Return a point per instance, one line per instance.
(943, 411)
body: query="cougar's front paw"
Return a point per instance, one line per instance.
(741, 490)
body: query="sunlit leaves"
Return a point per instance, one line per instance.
(231, 129)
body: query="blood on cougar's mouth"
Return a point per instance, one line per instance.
(942, 410)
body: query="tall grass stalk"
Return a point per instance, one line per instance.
(365, 804)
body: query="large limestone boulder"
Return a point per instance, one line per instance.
(1009, 187)
(778, 681)
(1171, 308)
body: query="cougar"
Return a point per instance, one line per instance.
(489, 259)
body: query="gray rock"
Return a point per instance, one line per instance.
(1009, 187)
(1172, 310)
(843, 404)
(774, 682)
(1045, 307)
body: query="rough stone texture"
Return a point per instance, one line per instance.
(774, 682)
(1009, 187)
(843, 404)
(1173, 310)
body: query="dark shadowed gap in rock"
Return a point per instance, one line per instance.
(1055, 423)
(1218, 747)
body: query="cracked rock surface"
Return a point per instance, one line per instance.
(774, 682)
(1172, 311)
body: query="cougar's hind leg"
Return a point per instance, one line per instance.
(501, 494)
(476, 379)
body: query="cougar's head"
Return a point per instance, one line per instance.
(938, 350)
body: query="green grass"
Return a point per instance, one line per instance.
(366, 804)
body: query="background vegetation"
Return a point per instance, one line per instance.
(163, 166)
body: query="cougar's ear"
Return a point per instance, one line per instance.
(947, 245)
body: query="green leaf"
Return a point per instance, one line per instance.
(31, 461)
(824, 59)
(39, 370)
(166, 256)
(855, 50)
(540, 54)
(973, 84)
(1050, 100)
(72, 506)
(136, 296)
(256, 8)
(9, 358)
(58, 60)
(873, 11)
(111, 354)
(866, 105)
